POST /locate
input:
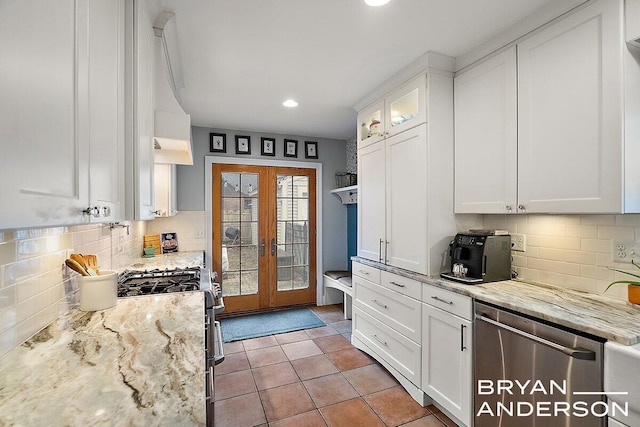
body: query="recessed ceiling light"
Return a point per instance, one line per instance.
(376, 2)
(290, 103)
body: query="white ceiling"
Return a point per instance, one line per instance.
(241, 58)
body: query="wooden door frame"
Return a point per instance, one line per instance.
(209, 161)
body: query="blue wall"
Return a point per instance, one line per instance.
(352, 230)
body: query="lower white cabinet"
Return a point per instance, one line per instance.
(447, 377)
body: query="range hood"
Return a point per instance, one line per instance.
(172, 126)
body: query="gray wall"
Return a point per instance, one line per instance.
(331, 153)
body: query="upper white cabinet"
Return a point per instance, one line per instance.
(166, 196)
(107, 108)
(140, 186)
(570, 114)
(405, 190)
(61, 109)
(401, 109)
(575, 142)
(486, 132)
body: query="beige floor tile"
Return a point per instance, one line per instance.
(369, 379)
(233, 347)
(290, 337)
(330, 389)
(232, 363)
(332, 343)
(307, 419)
(239, 411)
(395, 406)
(343, 326)
(349, 359)
(301, 349)
(313, 367)
(234, 384)
(265, 356)
(285, 401)
(274, 375)
(331, 316)
(352, 413)
(320, 332)
(262, 342)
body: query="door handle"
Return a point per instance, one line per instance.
(578, 353)
(462, 346)
(273, 246)
(380, 251)
(262, 248)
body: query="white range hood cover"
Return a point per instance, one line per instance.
(172, 126)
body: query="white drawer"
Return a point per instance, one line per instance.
(405, 286)
(366, 272)
(454, 303)
(395, 310)
(397, 350)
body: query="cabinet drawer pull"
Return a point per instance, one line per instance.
(380, 304)
(462, 346)
(384, 343)
(364, 272)
(399, 285)
(442, 300)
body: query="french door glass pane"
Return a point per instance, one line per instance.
(240, 225)
(292, 228)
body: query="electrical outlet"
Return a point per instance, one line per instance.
(519, 242)
(625, 251)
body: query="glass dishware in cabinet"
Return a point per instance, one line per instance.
(405, 107)
(371, 124)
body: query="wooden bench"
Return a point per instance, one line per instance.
(340, 280)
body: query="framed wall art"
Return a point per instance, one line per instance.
(268, 146)
(243, 144)
(310, 150)
(290, 148)
(217, 142)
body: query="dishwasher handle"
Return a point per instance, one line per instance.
(577, 353)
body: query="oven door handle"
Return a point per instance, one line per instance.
(578, 353)
(219, 355)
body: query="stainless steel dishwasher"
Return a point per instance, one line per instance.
(528, 372)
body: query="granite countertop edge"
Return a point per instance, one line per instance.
(606, 317)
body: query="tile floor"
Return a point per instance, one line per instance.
(312, 378)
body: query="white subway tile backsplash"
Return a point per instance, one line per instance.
(36, 287)
(572, 251)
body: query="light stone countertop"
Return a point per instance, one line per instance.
(139, 363)
(599, 315)
(171, 260)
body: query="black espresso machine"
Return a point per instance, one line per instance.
(479, 257)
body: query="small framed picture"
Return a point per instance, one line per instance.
(310, 150)
(217, 142)
(243, 144)
(268, 147)
(169, 242)
(290, 148)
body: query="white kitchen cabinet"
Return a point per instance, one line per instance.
(570, 114)
(486, 127)
(576, 141)
(387, 324)
(107, 108)
(392, 201)
(447, 345)
(401, 109)
(140, 185)
(371, 124)
(164, 178)
(371, 201)
(61, 125)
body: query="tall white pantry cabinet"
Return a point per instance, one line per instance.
(405, 189)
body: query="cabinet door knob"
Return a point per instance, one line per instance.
(157, 212)
(95, 211)
(521, 208)
(106, 211)
(508, 208)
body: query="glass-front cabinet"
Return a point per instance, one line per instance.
(399, 110)
(405, 107)
(371, 124)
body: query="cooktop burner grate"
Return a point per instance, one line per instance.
(149, 282)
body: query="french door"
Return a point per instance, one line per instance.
(264, 235)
